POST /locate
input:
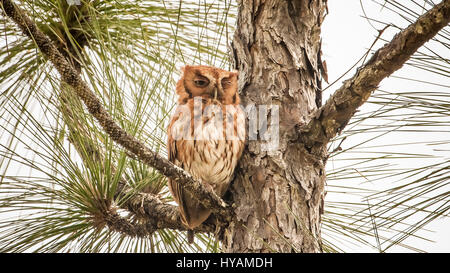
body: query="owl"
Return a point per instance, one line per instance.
(205, 135)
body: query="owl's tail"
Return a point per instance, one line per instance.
(190, 236)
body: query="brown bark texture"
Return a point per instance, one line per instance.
(278, 196)
(278, 193)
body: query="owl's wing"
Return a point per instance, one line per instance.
(175, 157)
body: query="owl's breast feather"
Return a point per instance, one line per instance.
(210, 153)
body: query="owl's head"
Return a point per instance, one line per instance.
(208, 82)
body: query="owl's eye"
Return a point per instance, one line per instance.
(226, 82)
(201, 82)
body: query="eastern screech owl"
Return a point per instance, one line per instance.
(206, 141)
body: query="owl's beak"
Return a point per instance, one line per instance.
(218, 93)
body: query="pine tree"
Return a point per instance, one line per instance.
(86, 91)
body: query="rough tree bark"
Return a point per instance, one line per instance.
(278, 195)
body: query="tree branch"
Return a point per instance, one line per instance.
(148, 207)
(150, 214)
(123, 225)
(148, 225)
(333, 116)
(69, 75)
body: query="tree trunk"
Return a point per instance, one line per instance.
(278, 193)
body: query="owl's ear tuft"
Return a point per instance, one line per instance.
(235, 73)
(182, 68)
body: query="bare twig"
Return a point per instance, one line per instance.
(363, 58)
